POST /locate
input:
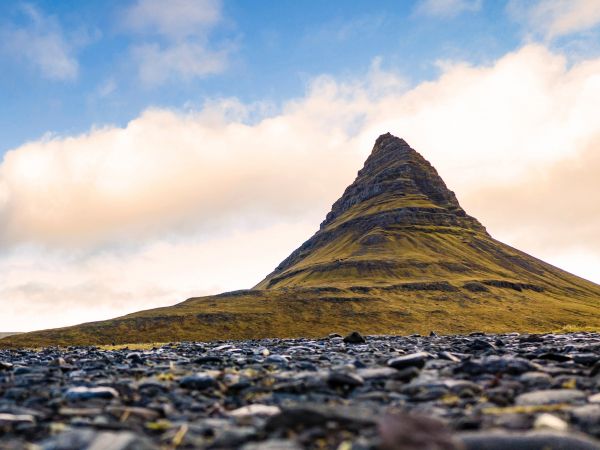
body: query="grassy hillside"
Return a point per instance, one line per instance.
(435, 295)
(397, 309)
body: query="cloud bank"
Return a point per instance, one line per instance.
(182, 203)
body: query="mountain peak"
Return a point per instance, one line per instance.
(396, 193)
(388, 139)
(394, 170)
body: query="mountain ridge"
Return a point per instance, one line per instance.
(396, 254)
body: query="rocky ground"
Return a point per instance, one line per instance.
(383, 392)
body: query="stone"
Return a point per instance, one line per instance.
(198, 381)
(344, 379)
(255, 410)
(273, 444)
(86, 393)
(92, 440)
(539, 440)
(413, 360)
(551, 396)
(415, 432)
(5, 366)
(355, 338)
(12, 419)
(550, 422)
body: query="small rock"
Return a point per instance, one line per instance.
(414, 432)
(197, 382)
(355, 338)
(277, 359)
(412, 360)
(13, 419)
(273, 444)
(255, 410)
(344, 379)
(559, 357)
(86, 393)
(92, 440)
(550, 397)
(5, 366)
(481, 344)
(537, 440)
(550, 422)
(448, 356)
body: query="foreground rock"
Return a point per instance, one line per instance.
(377, 392)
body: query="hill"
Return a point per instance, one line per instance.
(397, 254)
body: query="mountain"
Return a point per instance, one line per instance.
(396, 254)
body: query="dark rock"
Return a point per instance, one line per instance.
(498, 364)
(91, 440)
(481, 344)
(344, 379)
(494, 440)
(355, 338)
(559, 357)
(415, 432)
(197, 382)
(595, 370)
(310, 415)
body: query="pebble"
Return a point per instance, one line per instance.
(412, 360)
(86, 393)
(355, 338)
(197, 381)
(550, 422)
(551, 396)
(539, 440)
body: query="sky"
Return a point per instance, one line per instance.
(153, 151)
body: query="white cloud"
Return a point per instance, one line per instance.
(175, 19)
(42, 44)
(212, 200)
(185, 60)
(446, 8)
(175, 39)
(554, 18)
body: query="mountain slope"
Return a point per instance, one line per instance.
(396, 254)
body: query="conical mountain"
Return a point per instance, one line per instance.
(396, 254)
(383, 229)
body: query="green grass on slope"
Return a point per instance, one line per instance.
(315, 313)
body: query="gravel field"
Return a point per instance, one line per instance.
(347, 393)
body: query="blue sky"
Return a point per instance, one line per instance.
(273, 50)
(156, 150)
